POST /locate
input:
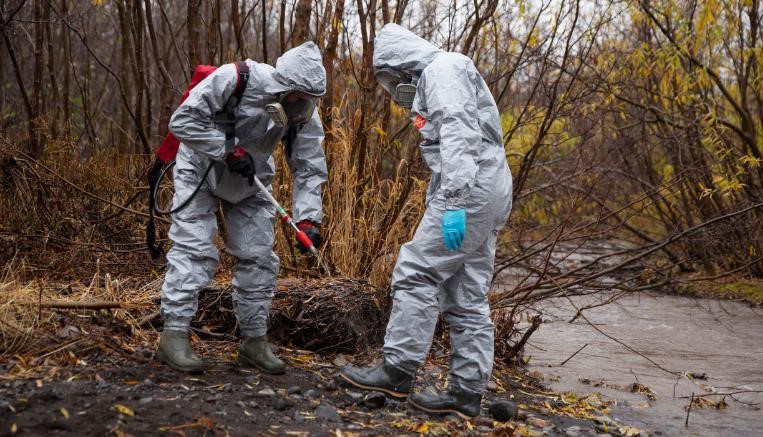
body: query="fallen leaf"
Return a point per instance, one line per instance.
(629, 431)
(64, 412)
(121, 409)
(14, 429)
(423, 428)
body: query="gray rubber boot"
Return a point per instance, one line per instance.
(175, 351)
(256, 352)
(463, 403)
(384, 377)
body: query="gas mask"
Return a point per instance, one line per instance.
(399, 85)
(294, 108)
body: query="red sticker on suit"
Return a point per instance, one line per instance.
(419, 122)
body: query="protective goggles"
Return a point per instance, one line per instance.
(398, 84)
(293, 108)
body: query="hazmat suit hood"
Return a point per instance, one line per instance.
(398, 48)
(301, 69)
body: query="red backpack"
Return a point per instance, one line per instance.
(167, 151)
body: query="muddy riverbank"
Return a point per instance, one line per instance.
(703, 346)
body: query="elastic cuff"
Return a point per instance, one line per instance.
(177, 325)
(476, 387)
(253, 331)
(408, 367)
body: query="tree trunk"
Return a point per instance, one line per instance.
(124, 62)
(328, 64)
(194, 34)
(282, 27)
(264, 18)
(53, 102)
(165, 95)
(38, 95)
(301, 31)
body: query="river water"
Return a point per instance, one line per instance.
(721, 339)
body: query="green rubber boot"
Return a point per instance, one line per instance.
(175, 351)
(256, 352)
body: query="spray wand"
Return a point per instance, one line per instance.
(301, 236)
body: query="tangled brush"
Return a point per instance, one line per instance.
(327, 315)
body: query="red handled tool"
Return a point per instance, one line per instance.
(301, 236)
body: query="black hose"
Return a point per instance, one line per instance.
(183, 204)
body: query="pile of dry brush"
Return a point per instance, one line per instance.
(322, 315)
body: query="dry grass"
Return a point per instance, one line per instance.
(368, 215)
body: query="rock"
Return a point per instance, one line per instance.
(331, 385)
(298, 417)
(252, 379)
(294, 390)
(539, 423)
(266, 392)
(214, 398)
(281, 404)
(147, 383)
(558, 403)
(146, 400)
(68, 331)
(326, 412)
(375, 399)
(354, 395)
(503, 411)
(573, 431)
(492, 386)
(311, 394)
(253, 404)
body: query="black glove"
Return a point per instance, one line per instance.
(241, 162)
(313, 231)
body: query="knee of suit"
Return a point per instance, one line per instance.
(196, 251)
(471, 327)
(415, 300)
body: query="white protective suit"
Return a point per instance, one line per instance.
(461, 127)
(249, 218)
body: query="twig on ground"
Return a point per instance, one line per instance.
(570, 357)
(94, 305)
(688, 410)
(720, 394)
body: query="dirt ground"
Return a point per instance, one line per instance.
(131, 394)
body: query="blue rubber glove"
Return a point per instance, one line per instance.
(454, 228)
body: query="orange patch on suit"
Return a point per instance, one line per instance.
(419, 122)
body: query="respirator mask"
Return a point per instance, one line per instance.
(294, 108)
(398, 84)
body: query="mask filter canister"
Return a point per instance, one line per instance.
(406, 92)
(277, 114)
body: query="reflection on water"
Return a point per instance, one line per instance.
(721, 339)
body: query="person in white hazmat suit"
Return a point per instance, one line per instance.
(448, 265)
(236, 155)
